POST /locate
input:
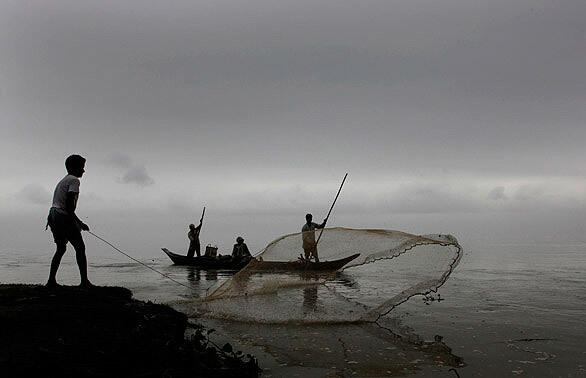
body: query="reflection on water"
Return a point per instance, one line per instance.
(193, 275)
(211, 275)
(310, 293)
(345, 279)
(310, 298)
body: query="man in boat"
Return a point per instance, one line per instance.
(308, 235)
(65, 225)
(193, 236)
(240, 250)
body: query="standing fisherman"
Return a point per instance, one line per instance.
(193, 236)
(65, 225)
(308, 229)
(308, 235)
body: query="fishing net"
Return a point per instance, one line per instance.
(392, 267)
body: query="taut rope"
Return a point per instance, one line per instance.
(140, 262)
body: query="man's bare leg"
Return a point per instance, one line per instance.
(79, 246)
(61, 248)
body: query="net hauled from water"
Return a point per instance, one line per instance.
(392, 267)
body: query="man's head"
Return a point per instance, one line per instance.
(308, 218)
(192, 226)
(75, 165)
(239, 240)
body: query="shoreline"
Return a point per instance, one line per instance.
(104, 332)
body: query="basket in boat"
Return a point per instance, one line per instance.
(211, 251)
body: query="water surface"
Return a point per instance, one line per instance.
(507, 310)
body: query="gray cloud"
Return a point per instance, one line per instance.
(137, 174)
(431, 198)
(497, 193)
(133, 173)
(35, 194)
(529, 193)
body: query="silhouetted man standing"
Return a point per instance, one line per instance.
(64, 223)
(193, 236)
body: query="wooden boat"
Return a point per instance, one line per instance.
(300, 265)
(207, 262)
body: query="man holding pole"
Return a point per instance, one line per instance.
(308, 229)
(308, 235)
(193, 236)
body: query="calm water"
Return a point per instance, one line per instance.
(509, 310)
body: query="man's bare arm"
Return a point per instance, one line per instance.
(70, 205)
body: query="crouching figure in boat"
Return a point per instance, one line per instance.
(240, 250)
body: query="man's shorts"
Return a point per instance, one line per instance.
(64, 227)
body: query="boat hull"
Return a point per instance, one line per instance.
(300, 266)
(205, 262)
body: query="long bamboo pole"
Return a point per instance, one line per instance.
(202, 214)
(332, 207)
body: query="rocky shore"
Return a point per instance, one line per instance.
(103, 332)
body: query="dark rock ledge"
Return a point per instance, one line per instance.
(103, 332)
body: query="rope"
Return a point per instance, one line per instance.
(140, 262)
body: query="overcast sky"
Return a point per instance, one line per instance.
(461, 116)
